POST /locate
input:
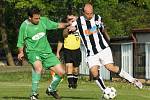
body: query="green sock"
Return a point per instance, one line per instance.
(55, 82)
(35, 81)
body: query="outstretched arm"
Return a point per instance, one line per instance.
(59, 47)
(70, 18)
(63, 25)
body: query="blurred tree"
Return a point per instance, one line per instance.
(138, 3)
(4, 38)
(119, 16)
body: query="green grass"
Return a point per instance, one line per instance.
(17, 86)
(85, 91)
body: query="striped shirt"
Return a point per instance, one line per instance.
(90, 34)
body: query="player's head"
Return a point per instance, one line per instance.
(71, 15)
(71, 18)
(34, 15)
(88, 11)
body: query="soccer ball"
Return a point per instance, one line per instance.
(109, 93)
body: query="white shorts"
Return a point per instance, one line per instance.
(102, 58)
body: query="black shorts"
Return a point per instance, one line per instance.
(72, 56)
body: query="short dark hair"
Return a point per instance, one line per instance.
(33, 10)
(64, 19)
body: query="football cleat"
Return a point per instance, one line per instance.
(138, 84)
(54, 94)
(34, 97)
(74, 86)
(70, 86)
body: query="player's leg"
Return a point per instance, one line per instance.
(52, 60)
(76, 64)
(98, 79)
(68, 57)
(94, 63)
(70, 77)
(59, 72)
(35, 60)
(36, 76)
(107, 60)
(52, 73)
(111, 67)
(75, 77)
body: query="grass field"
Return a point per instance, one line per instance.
(17, 86)
(85, 91)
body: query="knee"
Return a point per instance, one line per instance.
(37, 69)
(94, 73)
(37, 66)
(76, 71)
(61, 73)
(112, 68)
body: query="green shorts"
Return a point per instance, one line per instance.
(48, 59)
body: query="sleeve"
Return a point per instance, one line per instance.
(20, 42)
(101, 24)
(50, 24)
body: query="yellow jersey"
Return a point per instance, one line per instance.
(72, 41)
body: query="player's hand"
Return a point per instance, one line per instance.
(21, 56)
(58, 55)
(71, 18)
(71, 28)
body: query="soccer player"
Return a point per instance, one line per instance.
(95, 40)
(33, 40)
(72, 55)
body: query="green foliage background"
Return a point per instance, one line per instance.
(119, 16)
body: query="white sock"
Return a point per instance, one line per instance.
(100, 83)
(127, 76)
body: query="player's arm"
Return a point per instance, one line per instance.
(65, 25)
(20, 54)
(59, 47)
(54, 25)
(65, 32)
(20, 43)
(70, 18)
(103, 30)
(106, 34)
(49, 24)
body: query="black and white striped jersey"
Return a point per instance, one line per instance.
(91, 36)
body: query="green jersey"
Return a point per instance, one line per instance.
(34, 37)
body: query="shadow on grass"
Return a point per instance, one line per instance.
(63, 97)
(15, 98)
(78, 98)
